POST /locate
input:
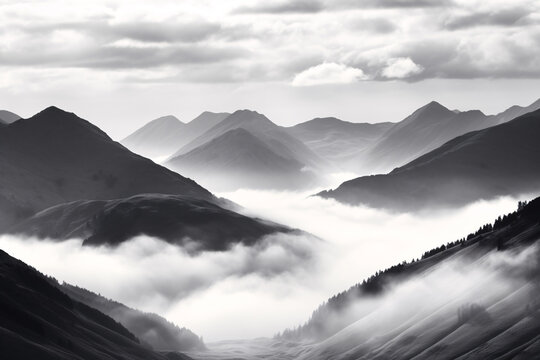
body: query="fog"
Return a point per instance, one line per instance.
(248, 292)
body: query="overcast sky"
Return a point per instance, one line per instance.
(122, 63)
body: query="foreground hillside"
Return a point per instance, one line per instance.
(151, 329)
(39, 321)
(474, 298)
(497, 161)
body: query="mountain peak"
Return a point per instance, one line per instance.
(54, 111)
(167, 120)
(434, 105)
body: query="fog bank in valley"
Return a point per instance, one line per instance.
(248, 292)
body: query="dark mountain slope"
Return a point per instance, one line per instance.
(157, 138)
(338, 141)
(7, 117)
(38, 321)
(364, 323)
(240, 159)
(163, 136)
(56, 157)
(428, 128)
(177, 219)
(152, 329)
(501, 160)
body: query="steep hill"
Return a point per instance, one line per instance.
(56, 157)
(500, 160)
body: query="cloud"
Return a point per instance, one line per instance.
(264, 289)
(400, 68)
(391, 4)
(497, 17)
(328, 73)
(284, 7)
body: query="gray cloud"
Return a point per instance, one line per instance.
(390, 4)
(504, 17)
(285, 7)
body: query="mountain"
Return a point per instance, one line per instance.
(240, 159)
(162, 137)
(422, 310)
(261, 145)
(56, 157)
(151, 329)
(340, 142)
(178, 219)
(39, 321)
(497, 161)
(157, 138)
(426, 129)
(7, 117)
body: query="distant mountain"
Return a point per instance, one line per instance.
(162, 137)
(240, 159)
(340, 142)
(39, 321)
(500, 160)
(197, 224)
(7, 117)
(56, 157)
(426, 129)
(151, 329)
(157, 138)
(262, 145)
(378, 319)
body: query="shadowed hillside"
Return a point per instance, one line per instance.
(497, 161)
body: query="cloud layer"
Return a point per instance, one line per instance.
(250, 292)
(247, 41)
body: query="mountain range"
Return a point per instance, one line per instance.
(497, 161)
(63, 177)
(339, 142)
(246, 149)
(161, 137)
(426, 129)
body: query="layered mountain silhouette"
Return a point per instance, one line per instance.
(39, 321)
(372, 321)
(426, 129)
(56, 157)
(149, 328)
(163, 136)
(197, 224)
(340, 142)
(500, 160)
(7, 117)
(246, 149)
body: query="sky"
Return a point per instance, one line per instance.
(122, 63)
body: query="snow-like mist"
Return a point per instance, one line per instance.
(249, 292)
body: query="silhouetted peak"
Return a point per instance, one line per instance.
(53, 111)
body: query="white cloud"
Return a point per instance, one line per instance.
(400, 68)
(328, 73)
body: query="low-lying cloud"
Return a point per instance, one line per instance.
(249, 292)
